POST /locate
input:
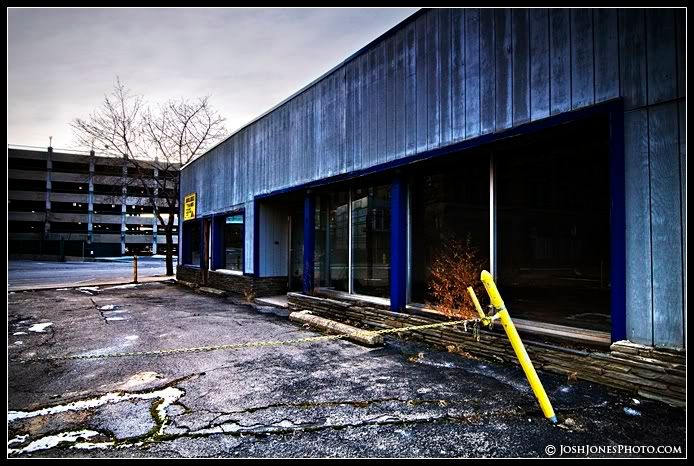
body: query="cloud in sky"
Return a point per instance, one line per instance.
(61, 62)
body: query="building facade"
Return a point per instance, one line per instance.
(550, 141)
(79, 205)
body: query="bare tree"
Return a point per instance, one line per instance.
(164, 138)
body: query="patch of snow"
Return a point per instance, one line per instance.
(115, 318)
(51, 441)
(631, 412)
(40, 327)
(564, 389)
(132, 337)
(19, 333)
(62, 289)
(88, 288)
(108, 307)
(634, 400)
(284, 423)
(168, 395)
(18, 439)
(18, 343)
(93, 446)
(120, 287)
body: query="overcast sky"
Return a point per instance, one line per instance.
(61, 62)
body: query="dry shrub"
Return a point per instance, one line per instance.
(456, 266)
(248, 293)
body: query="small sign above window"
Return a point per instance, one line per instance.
(189, 207)
(234, 219)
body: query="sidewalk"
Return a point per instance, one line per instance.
(160, 278)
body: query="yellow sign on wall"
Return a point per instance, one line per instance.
(189, 207)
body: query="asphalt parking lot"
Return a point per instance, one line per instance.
(328, 399)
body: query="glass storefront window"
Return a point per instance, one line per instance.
(194, 242)
(332, 240)
(233, 243)
(553, 234)
(371, 240)
(319, 259)
(450, 200)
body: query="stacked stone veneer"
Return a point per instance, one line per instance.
(246, 285)
(654, 373)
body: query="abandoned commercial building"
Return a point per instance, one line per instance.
(550, 140)
(78, 204)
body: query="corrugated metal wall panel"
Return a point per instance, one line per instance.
(560, 60)
(504, 69)
(666, 226)
(521, 67)
(472, 73)
(582, 85)
(539, 63)
(458, 75)
(487, 72)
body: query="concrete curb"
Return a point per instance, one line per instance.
(15, 289)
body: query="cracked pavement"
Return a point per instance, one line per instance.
(328, 399)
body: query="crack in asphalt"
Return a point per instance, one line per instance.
(286, 426)
(101, 313)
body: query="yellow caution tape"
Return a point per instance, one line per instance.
(254, 344)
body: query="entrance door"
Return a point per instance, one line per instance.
(205, 266)
(296, 248)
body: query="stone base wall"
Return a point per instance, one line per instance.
(245, 285)
(653, 373)
(188, 274)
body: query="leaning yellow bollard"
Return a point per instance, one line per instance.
(518, 347)
(476, 302)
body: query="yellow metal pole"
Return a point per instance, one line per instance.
(518, 347)
(476, 302)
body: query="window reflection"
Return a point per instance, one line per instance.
(194, 238)
(554, 226)
(233, 243)
(332, 240)
(450, 200)
(371, 240)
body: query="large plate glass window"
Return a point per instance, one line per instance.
(233, 242)
(553, 213)
(194, 241)
(332, 240)
(449, 201)
(371, 240)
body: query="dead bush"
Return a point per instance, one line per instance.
(456, 266)
(248, 293)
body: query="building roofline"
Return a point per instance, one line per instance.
(344, 62)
